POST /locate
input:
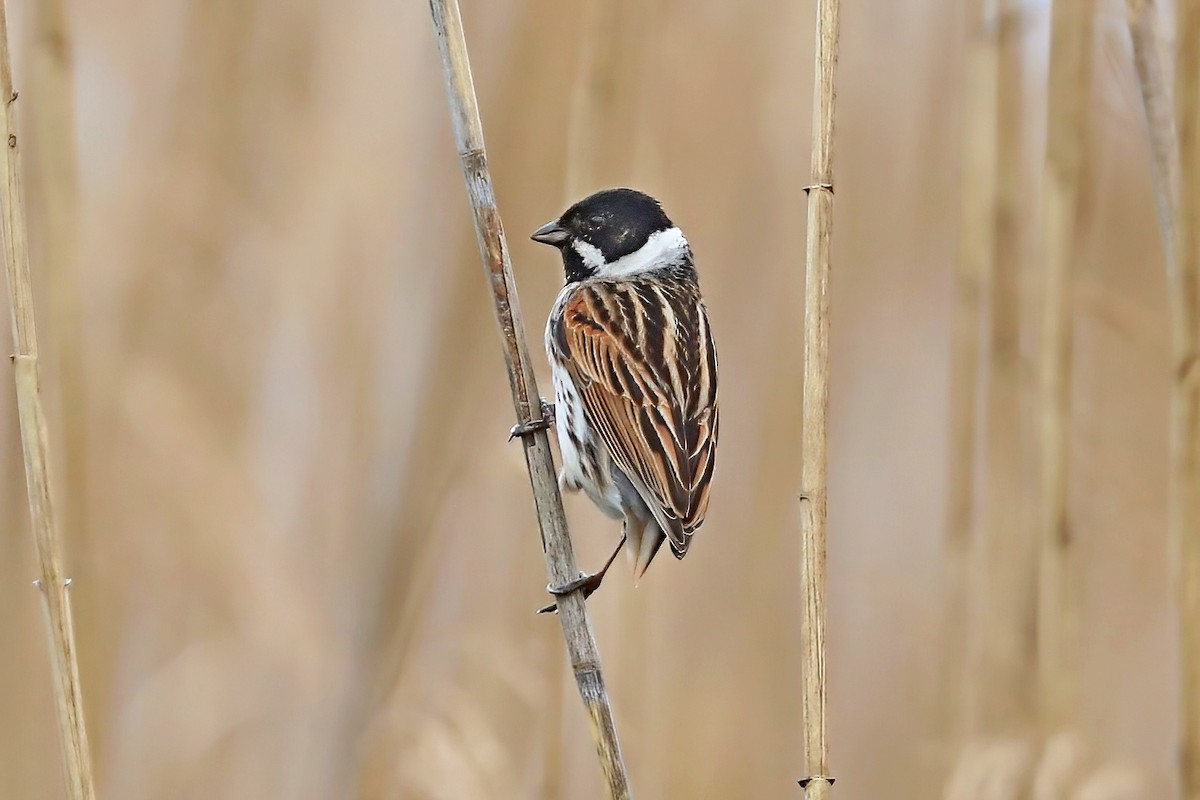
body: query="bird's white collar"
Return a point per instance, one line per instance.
(662, 249)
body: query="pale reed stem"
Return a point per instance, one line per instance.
(493, 248)
(56, 602)
(815, 408)
(1058, 580)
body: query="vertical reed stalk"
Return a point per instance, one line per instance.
(1175, 162)
(975, 250)
(815, 407)
(556, 542)
(56, 602)
(1008, 555)
(1185, 389)
(1069, 96)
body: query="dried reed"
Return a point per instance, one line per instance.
(56, 602)
(815, 406)
(1175, 162)
(556, 542)
(1185, 388)
(975, 249)
(1068, 104)
(1007, 658)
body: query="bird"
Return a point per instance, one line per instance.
(634, 368)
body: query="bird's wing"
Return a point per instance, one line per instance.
(642, 356)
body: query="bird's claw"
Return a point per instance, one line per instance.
(587, 583)
(533, 426)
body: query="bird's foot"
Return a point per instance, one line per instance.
(585, 583)
(535, 425)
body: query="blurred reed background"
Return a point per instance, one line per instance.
(304, 557)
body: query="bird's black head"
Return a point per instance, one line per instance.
(601, 234)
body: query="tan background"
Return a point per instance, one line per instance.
(305, 558)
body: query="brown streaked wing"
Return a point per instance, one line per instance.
(643, 357)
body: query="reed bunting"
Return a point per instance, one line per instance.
(635, 373)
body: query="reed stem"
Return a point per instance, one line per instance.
(556, 542)
(975, 250)
(1175, 167)
(56, 602)
(1008, 556)
(815, 407)
(1058, 580)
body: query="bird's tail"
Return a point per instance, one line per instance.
(643, 537)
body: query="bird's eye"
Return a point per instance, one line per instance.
(596, 221)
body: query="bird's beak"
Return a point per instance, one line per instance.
(551, 233)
